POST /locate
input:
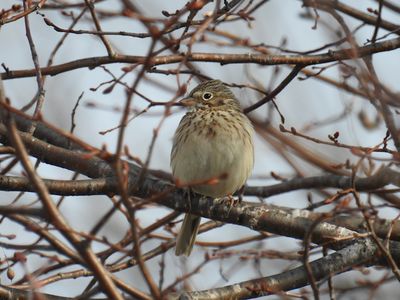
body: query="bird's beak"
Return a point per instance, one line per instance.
(189, 101)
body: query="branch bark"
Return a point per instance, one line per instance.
(223, 59)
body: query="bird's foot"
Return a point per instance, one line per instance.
(229, 201)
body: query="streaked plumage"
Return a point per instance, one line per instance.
(213, 139)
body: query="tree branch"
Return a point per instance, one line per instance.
(356, 254)
(221, 58)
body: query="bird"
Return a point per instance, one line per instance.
(212, 150)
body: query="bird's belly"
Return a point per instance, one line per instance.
(223, 160)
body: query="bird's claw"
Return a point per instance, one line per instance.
(229, 201)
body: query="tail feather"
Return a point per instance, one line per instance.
(187, 235)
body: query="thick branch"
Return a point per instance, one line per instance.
(101, 186)
(383, 177)
(223, 59)
(340, 261)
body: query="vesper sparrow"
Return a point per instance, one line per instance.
(213, 140)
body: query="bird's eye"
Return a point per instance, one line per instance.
(207, 96)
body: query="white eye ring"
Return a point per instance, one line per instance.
(207, 96)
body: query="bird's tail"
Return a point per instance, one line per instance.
(187, 235)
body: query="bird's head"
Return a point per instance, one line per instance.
(211, 94)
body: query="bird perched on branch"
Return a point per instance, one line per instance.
(212, 150)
